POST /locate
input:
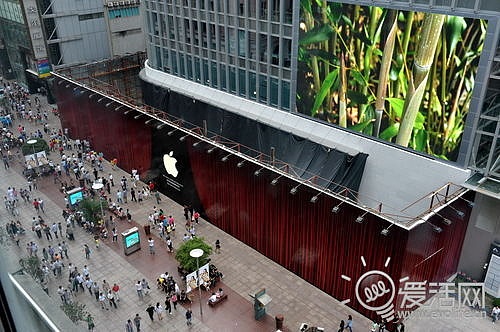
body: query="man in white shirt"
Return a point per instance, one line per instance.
(494, 313)
(151, 244)
(212, 298)
(138, 288)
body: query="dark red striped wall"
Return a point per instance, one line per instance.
(111, 132)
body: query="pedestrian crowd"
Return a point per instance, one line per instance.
(52, 238)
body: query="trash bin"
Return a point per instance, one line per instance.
(147, 229)
(279, 322)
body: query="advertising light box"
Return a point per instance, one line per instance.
(401, 76)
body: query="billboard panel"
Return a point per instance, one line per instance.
(404, 77)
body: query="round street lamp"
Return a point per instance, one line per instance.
(197, 253)
(98, 186)
(32, 142)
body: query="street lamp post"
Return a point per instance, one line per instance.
(98, 186)
(32, 142)
(197, 253)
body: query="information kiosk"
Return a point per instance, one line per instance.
(131, 240)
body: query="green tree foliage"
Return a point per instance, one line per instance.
(91, 208)
(32, 266)
(75, 311)
(185, 260)
(40, 145)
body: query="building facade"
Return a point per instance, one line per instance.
(211, 51)
(124, 21)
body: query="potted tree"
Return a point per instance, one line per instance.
(187, 264)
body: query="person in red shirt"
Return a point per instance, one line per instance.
(196, 217)
(116, 291)
(151, 186)
(36, 205)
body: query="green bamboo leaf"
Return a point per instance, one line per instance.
(419, 121)
(357, 97)
(397, 106)
(317, 35)
(306, 6)
(390, 132)
(358, 77)
(420, 140)
(359, 127)
(325, 87)
(369, 115)
(324, 55)
(335, 11)
(347, 20)
(455, 25)
(303, 55)
(377, 52)
(436, 106)
(363, 37)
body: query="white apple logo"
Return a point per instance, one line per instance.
(169, 163)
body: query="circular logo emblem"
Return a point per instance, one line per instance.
(375, 290)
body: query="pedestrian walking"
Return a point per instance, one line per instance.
(40, 203)
(341, 326)
(138, 288)
(86, 271)
(111, 300)
(159, 311)
(36, 205)
(217, 246)
(102, 301)
(65, 249)
(115, 234)
(54, 229)
(137, 322)
(5, 162)
(150, 310)
(89, 283)
(129, 327)
(151, 244)
(105, 286)
(86, 249)
(170, 244)
(90, 323)
(349, 323)
(168, 306)
(95, 289)
(116, 291)
(189, 317)
(46, 230)
(174, 300)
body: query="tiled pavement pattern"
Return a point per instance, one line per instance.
(245, 271)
